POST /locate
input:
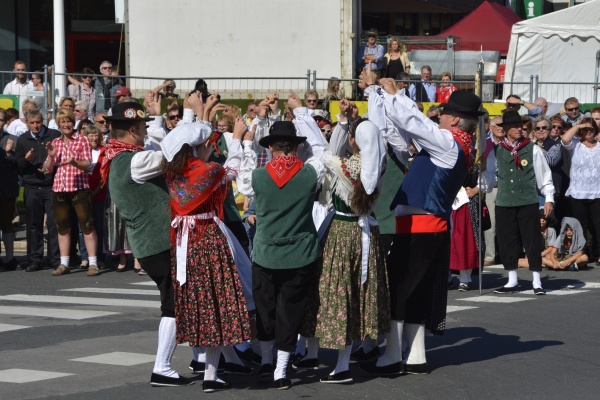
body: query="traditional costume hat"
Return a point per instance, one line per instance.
(464, 103)
(128, 111)
(281, 131)
(511, 117)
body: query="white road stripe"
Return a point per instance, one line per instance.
(145, 283)
(560, 292)
(15, 375)
(585, 285)
(118, 358)
(506, 298)
(450, 309)
(94, 301)
(54, 312)
(113, 291)
(10, 327)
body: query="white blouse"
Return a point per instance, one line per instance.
(585, 170)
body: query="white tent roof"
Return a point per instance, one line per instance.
(560, 48)
(582, 20)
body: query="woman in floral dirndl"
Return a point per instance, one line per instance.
(349, 299)
(210, 305)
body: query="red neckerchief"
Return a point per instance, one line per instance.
(466, 142)
(283, 168)
(113, 149)
(514, 148)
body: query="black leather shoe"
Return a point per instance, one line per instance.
(310, 363)
(10, 266)
(236, 369)
(416, 369)
(505, 290)
(34, 267)
(539, 291)
(166, 381)
(248, 355)
(372, 368)
(214, 386)
(266, 371)
(360, 355)
(340, 377)
(283, 384)
(197, 367)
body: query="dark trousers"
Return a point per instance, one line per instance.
(239, 231)
(158, 268)
(280, 298)
(516, 225)
(415, 259)
(37, 204)
(583, 210)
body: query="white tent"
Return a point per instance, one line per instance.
(558, 47)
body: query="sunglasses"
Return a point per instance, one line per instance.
(251, 110)
(76, 110)
(572, 109)
(311, 101)
(106, 68)
(223, 126)
(86, 77)
(541, 128)
(102, 122)
(172, 117)
(557, 127)
(326, 130)
(586, 130)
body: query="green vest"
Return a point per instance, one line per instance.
(144, 208)
(230, 209)
(285, 232)
(392, 179)
(516, 184)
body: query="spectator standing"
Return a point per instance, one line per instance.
(105, 87)
(446, 87)
(333, 92)
(83, 90)
(584, 191)
(102, 125)
(70, 155)
(572, 112)
(423, 90)
(395, 60)
(497, 135)
(19, 125)
(371, 54)
(9, 191)
(20, 85)
(30, 155)
(169, 86)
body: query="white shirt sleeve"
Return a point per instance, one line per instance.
(234, 158)
(543, 175)
(488, 178)
(244, 178)
(146, 165)
(156, 128)
(307, 126)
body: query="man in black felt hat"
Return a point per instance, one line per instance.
(520, 170)
(140, 193)
(419, 255)
(286, 246)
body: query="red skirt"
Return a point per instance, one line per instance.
(463, 248)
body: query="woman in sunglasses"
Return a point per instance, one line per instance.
(81, 89)
(584, 191)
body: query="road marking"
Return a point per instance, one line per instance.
(450, 309)
(54, 312)
(586, 285)
(559, 292)
(113, 291)
(496, 299)
(10, 327)
(16, 375)
(94, 301)
(146, 283)
(118, 358)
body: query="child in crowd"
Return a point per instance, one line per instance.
(567, 250)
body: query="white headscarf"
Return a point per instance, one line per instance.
(192, 134)
(372, 154)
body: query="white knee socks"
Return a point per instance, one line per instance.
(312, 348)
(393, 350)
(343, 362)
(230, 355)
(283, 357)
(212, 362)
(415, 334)
(512, 278)
(465, 276)
(537, 282)
(166, 348)
(199, 354)
(301, 345)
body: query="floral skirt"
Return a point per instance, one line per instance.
(210, 308)
(340, 309)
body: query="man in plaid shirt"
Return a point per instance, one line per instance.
(70, 158)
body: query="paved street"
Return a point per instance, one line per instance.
(75, 337)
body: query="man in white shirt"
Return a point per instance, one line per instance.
(20, 85)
